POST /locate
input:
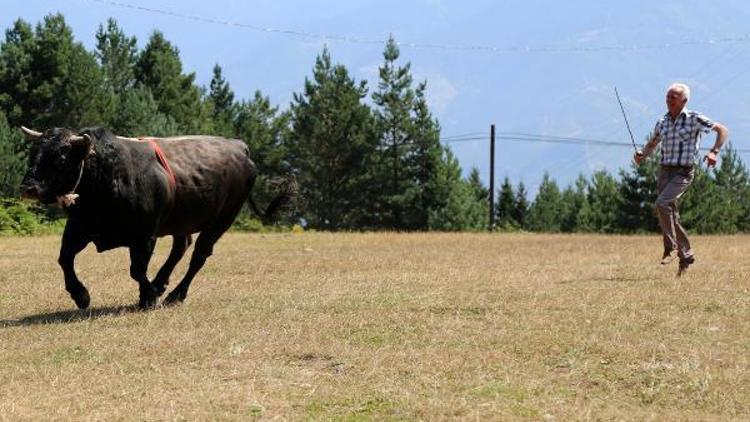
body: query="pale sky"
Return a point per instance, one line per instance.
(535, 67)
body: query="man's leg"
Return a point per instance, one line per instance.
(675, 184)
(683, 244)
(669, 217)
(669, 244)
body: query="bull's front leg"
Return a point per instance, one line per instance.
(73, 242)
(140, 255)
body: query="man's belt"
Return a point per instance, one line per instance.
(670, 167)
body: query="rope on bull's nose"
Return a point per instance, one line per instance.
(69, 199)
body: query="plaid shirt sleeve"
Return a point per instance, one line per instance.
(706, 124)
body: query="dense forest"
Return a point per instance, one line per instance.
(365, 158)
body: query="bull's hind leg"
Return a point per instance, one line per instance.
(204, 247)
(140, 255)
(180, 244)
(72, 243)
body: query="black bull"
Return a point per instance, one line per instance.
(117, 193)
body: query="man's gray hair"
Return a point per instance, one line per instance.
(679, 86)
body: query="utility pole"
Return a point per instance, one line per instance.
(492, 177)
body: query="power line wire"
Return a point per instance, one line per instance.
(238, 24)
(532, 138)
(454, 140)
(427, 45)
(472, 135)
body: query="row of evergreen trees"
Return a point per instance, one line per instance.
(718, 201)
(364, 159)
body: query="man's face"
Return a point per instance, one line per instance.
(675, 101)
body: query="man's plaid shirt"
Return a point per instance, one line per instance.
(680, 139)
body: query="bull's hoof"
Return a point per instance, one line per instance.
(81, 298)
(148, 303)
(174, 298)
(159, 289)
(148, 298)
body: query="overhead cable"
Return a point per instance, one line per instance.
(427, 45)
(532, 138)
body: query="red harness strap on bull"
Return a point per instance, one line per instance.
(162, 159)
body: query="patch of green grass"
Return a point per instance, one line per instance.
(500, 390)
(712, 307)
(650, 388)
(255, 410)
(367, 409)
(524, 410)
(382, 334)
(473, 311)
(71, 354)
(379, 301)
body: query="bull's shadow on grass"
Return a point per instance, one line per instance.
(69, 316)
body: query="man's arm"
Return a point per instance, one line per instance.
(722, 133)
(650, 146)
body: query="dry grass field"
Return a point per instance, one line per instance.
(320, 326)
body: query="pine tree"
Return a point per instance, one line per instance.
(134, 109)
(411, 155)
(481, 193)
(481, 196)
(16, 74)
(573, 201)
(263, 128)
(521, 206)
(117, 55)
(462, 211)
(221, 99)
(585, 220)
(545, 211)
(70, 89)
(159, 68)
(331, 145)
(395, 99)
(48, 79)
(427, 158)
(137, 114)
(505, 206)
(12, 159)
(603, 198)
(733, 183)
(638, 196)
(698, 206)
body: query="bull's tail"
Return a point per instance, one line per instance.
(287, 188)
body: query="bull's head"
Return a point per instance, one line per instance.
(55, 163)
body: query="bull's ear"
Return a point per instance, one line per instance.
(30, 135)
(83, 146)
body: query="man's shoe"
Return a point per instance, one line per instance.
(684, 264)
(668, 257)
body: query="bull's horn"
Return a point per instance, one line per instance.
(78, 138)
(30, 134)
